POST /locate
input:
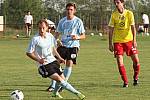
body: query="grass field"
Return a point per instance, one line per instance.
(95, 75)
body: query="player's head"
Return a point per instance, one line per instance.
(70, 9)
(42, 26)
(28, 12)
(119, 4)
(142, 13)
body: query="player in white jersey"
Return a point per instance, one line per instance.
(41, 50)
(51, 26)
(28, 20)
(145, 20)
(72, 30)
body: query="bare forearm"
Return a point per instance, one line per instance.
(133, 32)
(32, 56)
(110, 35)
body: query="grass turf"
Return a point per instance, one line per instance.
(96, 74)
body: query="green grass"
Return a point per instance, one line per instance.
(96, 74)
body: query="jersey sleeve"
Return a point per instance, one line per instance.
(111, 22)
(59, 27)
(81, 27)
(31, 47)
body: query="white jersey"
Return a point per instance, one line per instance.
(50, 23)
(145, 19)
(43, 47)
(28, 19)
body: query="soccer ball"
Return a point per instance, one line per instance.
(100, 34)
(92, 34)
(17, 95)
(147, 34)
(17, 35)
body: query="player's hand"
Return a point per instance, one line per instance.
(75, 37)
(134, 44)
(111, 48)
(41, 61)
(62, 60)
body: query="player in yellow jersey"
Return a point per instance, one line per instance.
(122, 38)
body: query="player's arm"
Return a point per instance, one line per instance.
(32, 56)
(57, 55)
(134, 35)
(111, 29)
(80, 37)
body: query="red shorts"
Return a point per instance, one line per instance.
(120, 48)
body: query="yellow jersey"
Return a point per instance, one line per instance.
(122, 26)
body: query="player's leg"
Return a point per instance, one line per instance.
(122, 70)
(60, 81)
(130, 51)
(68, 69)
(29, 30)
(136, 67)
(71, 59)
(62, 52)
(26, 30)
(118, 51)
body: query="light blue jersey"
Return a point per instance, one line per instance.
(68, 28)
(43, 47)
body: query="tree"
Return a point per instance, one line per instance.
(14, 10)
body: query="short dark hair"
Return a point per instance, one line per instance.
(142, 13)
(71, 4)
(42, 21)
(122, 1)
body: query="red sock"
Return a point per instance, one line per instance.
(122, 71)
(136, 71)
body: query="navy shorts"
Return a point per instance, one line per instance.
(146, 25)
(68, 53)
(49, 69)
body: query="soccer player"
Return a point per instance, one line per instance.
(28, 20)
(123, 33)
(72, 30)
(51, 27)
(145, 20)
(41, 49)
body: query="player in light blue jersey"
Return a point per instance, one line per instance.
(42, 49)
(72, 30)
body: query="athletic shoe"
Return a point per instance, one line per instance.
(81, 96)
(56, 95)
(50, 89)
(135, 83)
(125, 85)
(61, 89)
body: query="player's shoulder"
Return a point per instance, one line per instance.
(77, 19)
(129, 11)
(36, 36)
(63, 19)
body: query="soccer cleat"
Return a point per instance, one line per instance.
(61, 89)
(135, 83)
(125, 85)
(81, 96)
(50, 89)
(56, 95)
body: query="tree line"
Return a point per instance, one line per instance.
(94, 13)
